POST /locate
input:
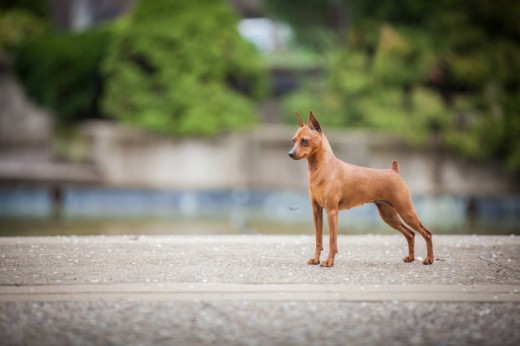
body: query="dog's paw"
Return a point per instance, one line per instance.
(428, 260)
(409, 259)
(313, 261)
(327, 263)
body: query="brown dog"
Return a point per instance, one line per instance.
(336, 185)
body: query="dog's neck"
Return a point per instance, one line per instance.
(321, 155)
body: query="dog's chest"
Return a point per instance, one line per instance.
(325, 192)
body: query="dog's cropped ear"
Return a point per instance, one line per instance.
(299, 118)
(313, 123)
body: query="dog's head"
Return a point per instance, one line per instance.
(307, 139)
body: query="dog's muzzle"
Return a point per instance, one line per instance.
(292, 154)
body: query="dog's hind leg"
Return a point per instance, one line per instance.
(409, 216)
(392, 218)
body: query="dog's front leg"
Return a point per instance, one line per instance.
(332, 220)
(317, 213)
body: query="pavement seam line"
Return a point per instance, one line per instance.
(256, 292)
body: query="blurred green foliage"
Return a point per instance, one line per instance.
(446, 70)
(17, 26)
(21, 20)
(62, 71)
(181, 68)
(38, 8)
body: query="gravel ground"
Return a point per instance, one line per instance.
(259, 323)
(480, 261)
(466, 260)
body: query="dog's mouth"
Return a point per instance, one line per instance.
(296, 158)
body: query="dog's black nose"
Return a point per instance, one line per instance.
(291, 154)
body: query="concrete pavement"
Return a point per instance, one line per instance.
(254, 289)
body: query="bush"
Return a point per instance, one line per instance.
(357, 94)
(181, 68)
(16, 26)
(62, 72)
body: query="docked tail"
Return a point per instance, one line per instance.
(395, 166)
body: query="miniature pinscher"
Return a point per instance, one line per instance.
(335, 185)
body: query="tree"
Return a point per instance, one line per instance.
(61, 71)
(181, 68)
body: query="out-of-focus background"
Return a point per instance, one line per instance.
(175, 117)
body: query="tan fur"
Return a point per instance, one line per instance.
(335, 185)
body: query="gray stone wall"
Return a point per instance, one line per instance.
(257, 159)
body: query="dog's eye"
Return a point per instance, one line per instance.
(304, 141)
